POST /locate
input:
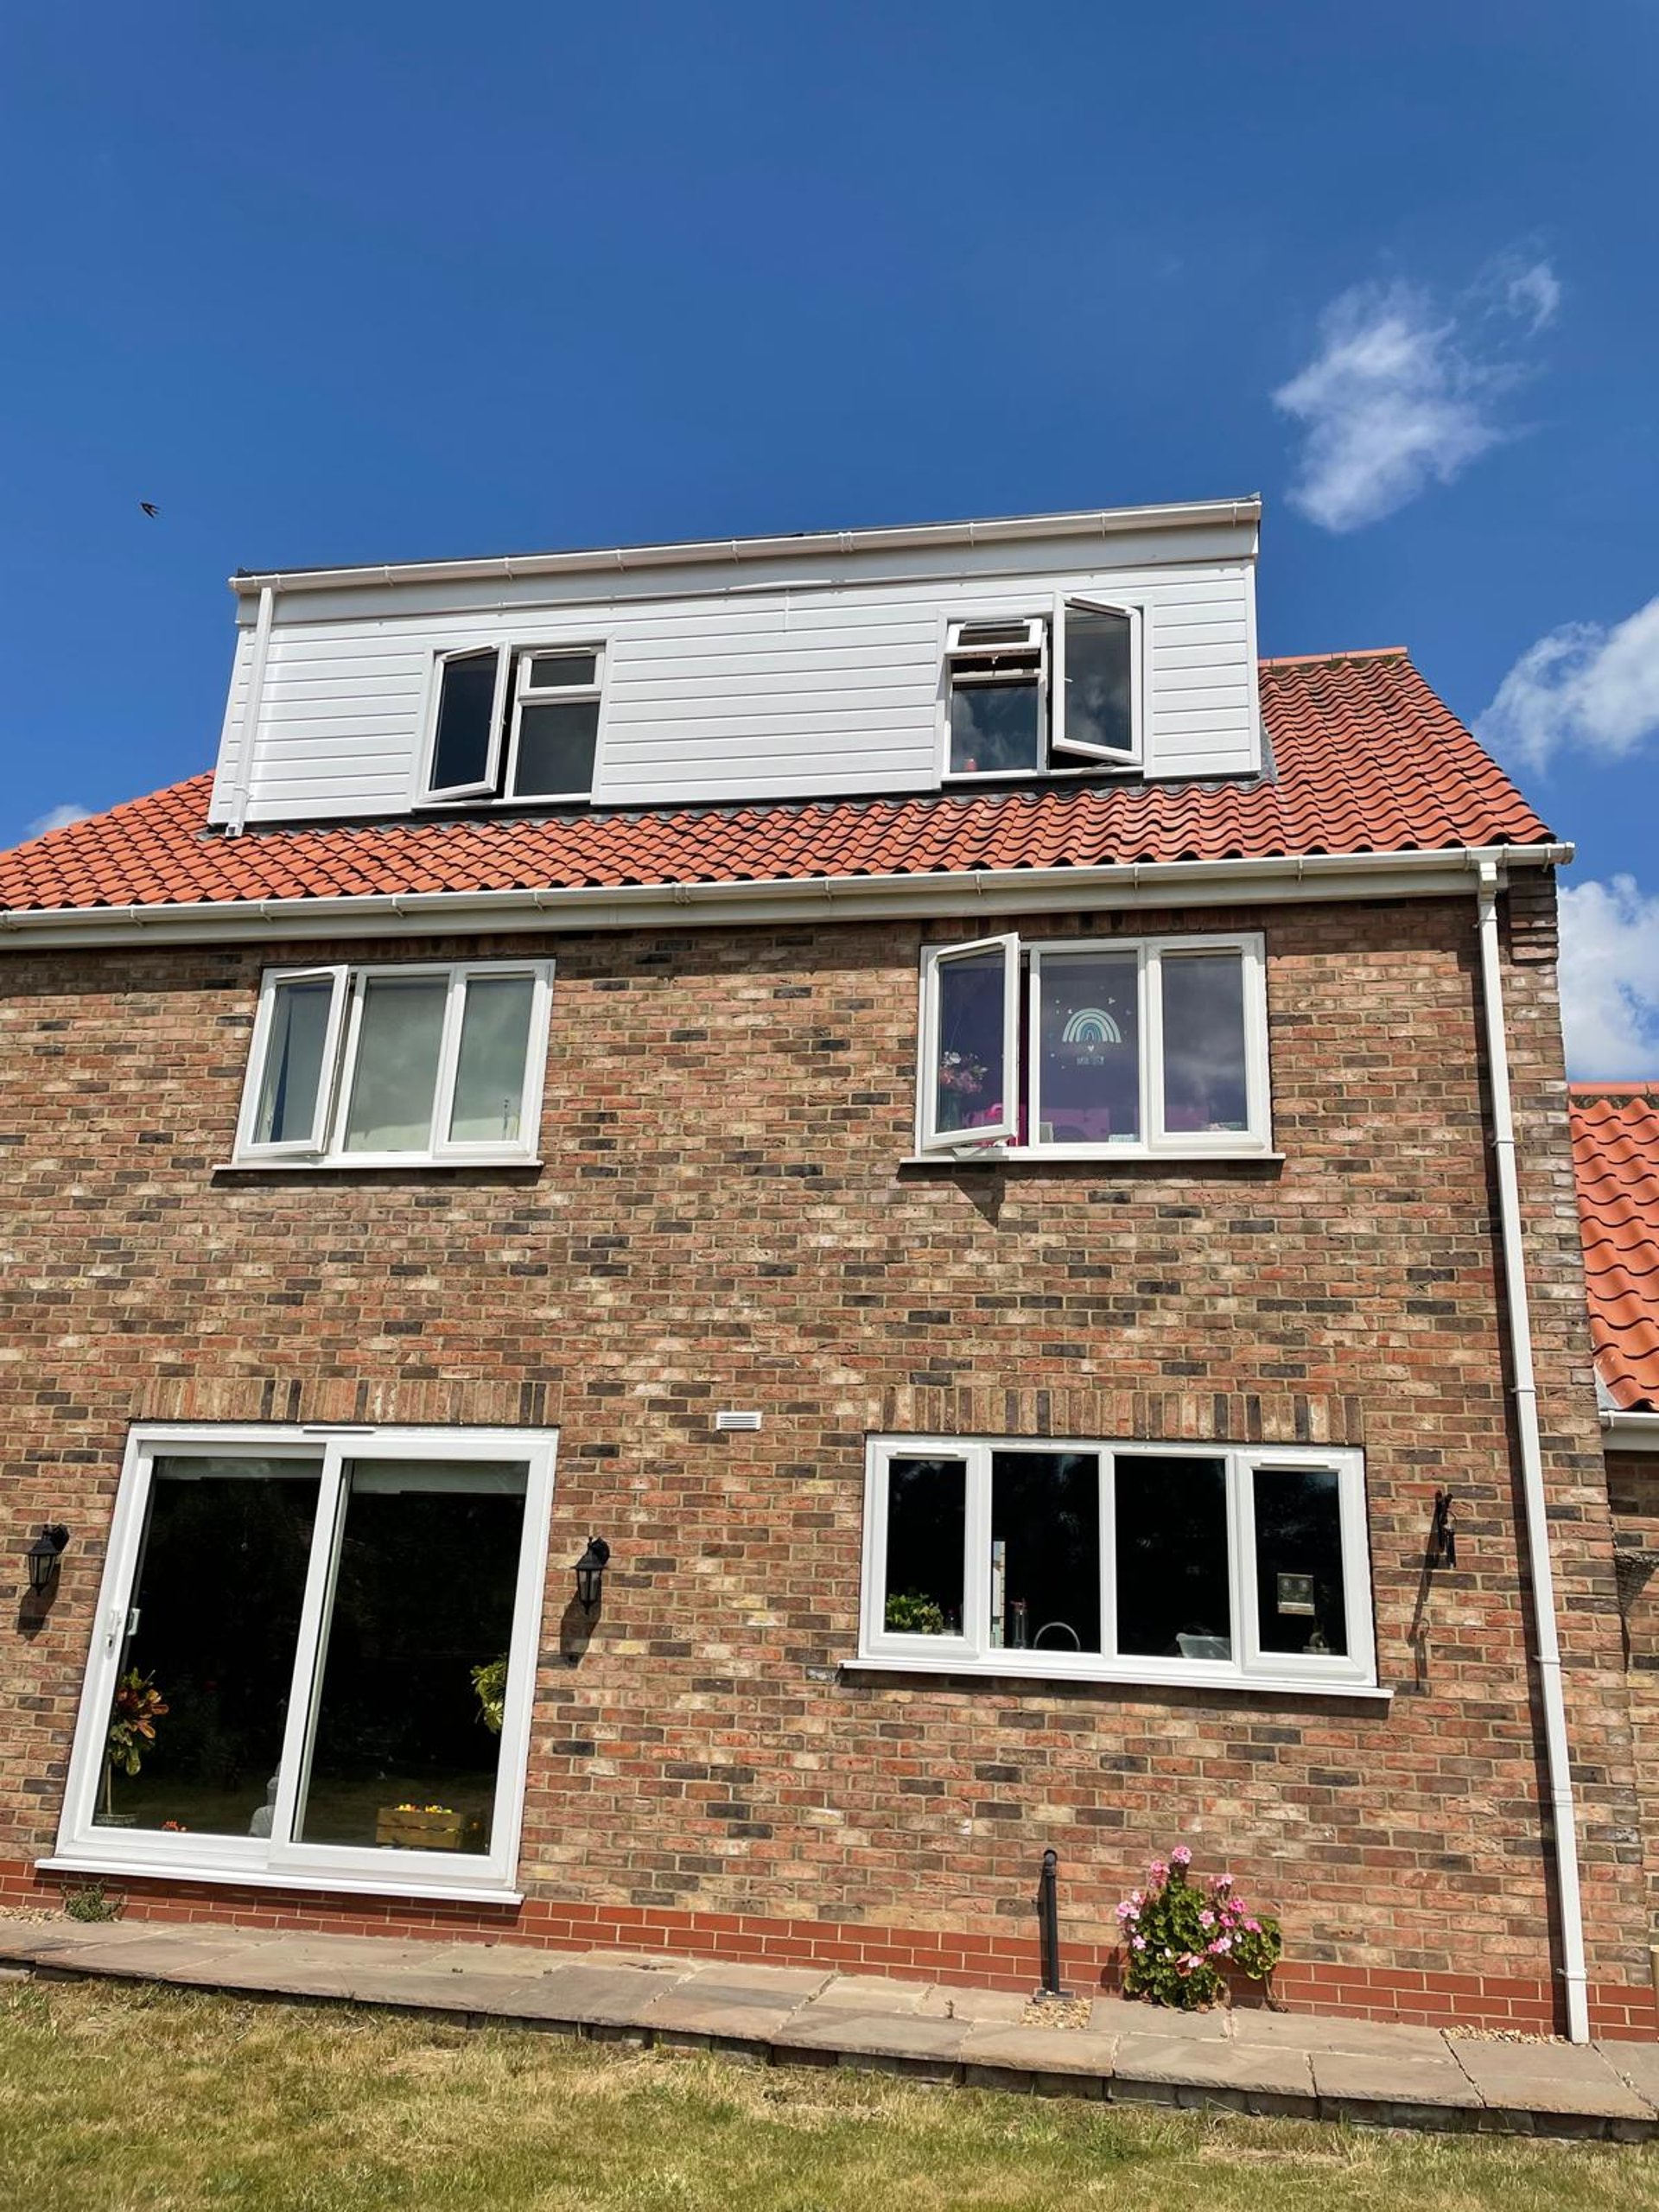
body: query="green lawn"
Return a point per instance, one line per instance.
(133, 2101)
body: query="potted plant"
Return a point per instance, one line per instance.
(138, 1705)
(1183, 1938)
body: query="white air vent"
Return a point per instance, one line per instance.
(737, 1420)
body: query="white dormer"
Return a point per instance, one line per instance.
(955, 655)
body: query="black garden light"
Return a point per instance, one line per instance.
(591, 1573)
(43, 1555)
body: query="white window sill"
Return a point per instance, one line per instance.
(133, 1868)
(966, 778)
(994, 1153)
(354, 1163)
(1016, 1667)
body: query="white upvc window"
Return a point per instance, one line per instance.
(1059, 691)
(1099, 1048)
(1163, 1563)
(313, 1660)
(513, 722)
(396, 1066)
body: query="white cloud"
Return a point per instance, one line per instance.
(1534, 292)
(1403, 392)
(1581, 686)
(1610, 980)
(57, 817)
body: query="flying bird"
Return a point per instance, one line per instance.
(152, 511)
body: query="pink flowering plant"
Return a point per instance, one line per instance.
(1183, 1937)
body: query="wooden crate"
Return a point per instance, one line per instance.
(416, 1830)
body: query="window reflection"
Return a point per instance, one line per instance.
(995, 725)
(1098, 680)
(1301, 1602)
(927, 1520)
(196, 1725)
(1089, 1035)
(1204, 1084)
(403, 1754)
(1045, 1551)
(1174, 1594)
(970, 1076)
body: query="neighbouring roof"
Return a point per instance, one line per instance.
(1366, 759)
(1616, 1154)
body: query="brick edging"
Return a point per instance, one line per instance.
(1618, 2011)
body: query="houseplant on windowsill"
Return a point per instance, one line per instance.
(138, 1705)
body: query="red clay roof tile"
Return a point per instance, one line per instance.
(1366, 759)
(1616, 1154)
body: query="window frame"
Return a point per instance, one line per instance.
(934, 958)
(340, 1069)
(1155, 1141)
(557, 695)
(445, 793)
(1046, 620)
(1108, 756)
(511, 657)
(972, 1651)
(192, 1855)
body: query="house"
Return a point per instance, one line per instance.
(727, 1236)
(1616, 1154)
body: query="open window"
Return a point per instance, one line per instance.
(314, 1658)
(1125, 1562)
(396, 1066)
(470, 688)
(1098, 696)
(518, 722)
(1126, 1046)
(997, 687)
(971, 1043)
(1056, 691)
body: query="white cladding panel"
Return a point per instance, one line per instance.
(816, 687)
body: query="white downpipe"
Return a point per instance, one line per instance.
(1540, 1574)
(248, 735)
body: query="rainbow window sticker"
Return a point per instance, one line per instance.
(1090, 1027)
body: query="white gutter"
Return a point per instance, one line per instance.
(1557, 1759)
(846, 898)
(242, 775)
(1092, 522)
(1630, 1432)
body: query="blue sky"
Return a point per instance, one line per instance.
(332, 284)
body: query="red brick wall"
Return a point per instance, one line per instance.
(1633, 1487)
(722, 1221)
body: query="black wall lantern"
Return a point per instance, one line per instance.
(591, 1573)
(43, 1555)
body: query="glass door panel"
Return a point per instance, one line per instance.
(195, 1728)
(405, 1747)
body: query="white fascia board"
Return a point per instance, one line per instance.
(1093, 522)
(1630, 1432)
(1319, 876)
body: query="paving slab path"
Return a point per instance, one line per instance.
(1295, 2064)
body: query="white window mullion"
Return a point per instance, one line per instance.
(311, 1650)
(977, 1579)
(1108, 1553)
(1241, 1550)
(1056, 684)
(1152, 1046)
(1356, 1562)
(1258, 1071)
(347, 1065)
(455, 1013)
